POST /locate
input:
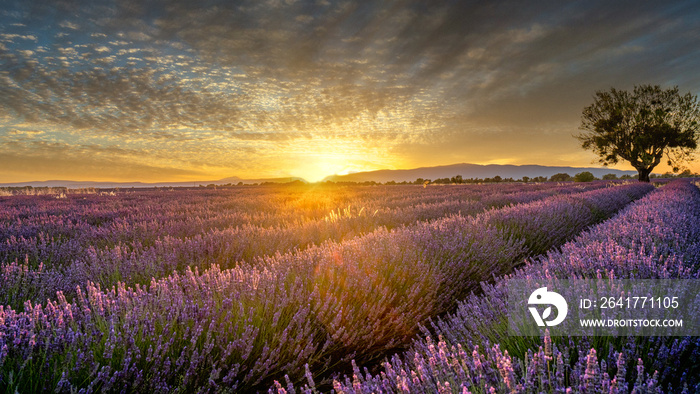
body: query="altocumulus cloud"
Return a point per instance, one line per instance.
(206, 87)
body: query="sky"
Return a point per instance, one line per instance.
(170, 90)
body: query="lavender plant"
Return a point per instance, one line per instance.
(586, 365)
(655, 238)
(242, 327)
(107, 239)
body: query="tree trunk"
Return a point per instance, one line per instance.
(644, 174)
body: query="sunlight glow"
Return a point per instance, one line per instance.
(316, 167)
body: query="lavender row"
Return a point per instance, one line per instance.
(163, 212)
(657, 237)
(147, 216)
(242, 327)
(71, 250)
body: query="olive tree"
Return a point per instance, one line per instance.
(641, 127)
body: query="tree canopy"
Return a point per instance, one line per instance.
(642, 127)
(560, 177)
(585, 176)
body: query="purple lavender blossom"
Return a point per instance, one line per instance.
(153, 311)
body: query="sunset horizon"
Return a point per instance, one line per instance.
(465, 170)
(170, 91)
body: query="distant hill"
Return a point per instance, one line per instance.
(465, 170)
(471, 171)
(109, 185)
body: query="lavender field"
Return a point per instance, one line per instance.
(353, 289)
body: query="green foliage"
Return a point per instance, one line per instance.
(560, 177)
(585, 176)
(641, 127)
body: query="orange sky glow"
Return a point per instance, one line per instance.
(169, 91)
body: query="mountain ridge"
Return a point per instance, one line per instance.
(468, 170)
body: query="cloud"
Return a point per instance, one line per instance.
(21, 168)
(69, 25)
(346, 58)
(25, 132)
(13, 37)
(21, 158)
(268, 75)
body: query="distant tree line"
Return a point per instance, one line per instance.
(585, 176)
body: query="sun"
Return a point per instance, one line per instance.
(317, 170)
(314, 168)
